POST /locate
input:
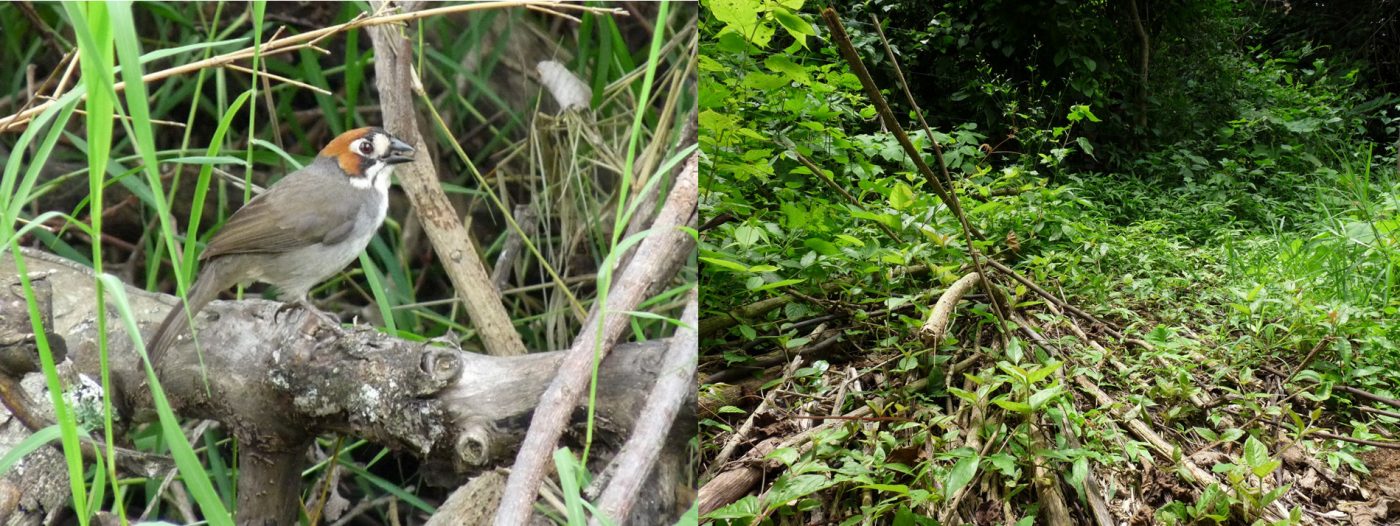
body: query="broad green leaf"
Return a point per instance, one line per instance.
(851, 240)
(901, 196)
(795, 214)
(821, 246)
(1043, 396)
(748, 235)
(961, 474)
(795, 25)
(788, 488)
(1043, 372)
(1011, 405)
(784, 65)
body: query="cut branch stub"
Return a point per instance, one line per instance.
(276, 381)
(937, 325)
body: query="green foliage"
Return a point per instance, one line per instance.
(1249, 220)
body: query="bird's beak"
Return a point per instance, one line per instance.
(399, 152)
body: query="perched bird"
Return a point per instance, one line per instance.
(301, 230)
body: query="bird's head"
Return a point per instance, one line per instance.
(365, 154)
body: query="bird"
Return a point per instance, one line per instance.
(304, 228)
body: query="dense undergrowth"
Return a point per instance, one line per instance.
(1249, 221)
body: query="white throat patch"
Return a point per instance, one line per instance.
(376, 177)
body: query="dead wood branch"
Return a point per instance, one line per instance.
(394, 78)
(932, 331)
(729, 485)
(632, 465)
(1048, 484)
(659, 257)
(277, 381)
(742, 433)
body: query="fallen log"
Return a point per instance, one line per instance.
(276, 381)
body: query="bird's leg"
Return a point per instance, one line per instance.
(300, 302)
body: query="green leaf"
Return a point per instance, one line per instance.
(749, 235)
(789, 488)
(888, 488)
(777, 284)
(850, 240)
(901, 196)
(742, 17)
(759, 80)
(1011, 405)
(821, 246)
(726, 264)
(1083, 143)
(961, 474)
(743, 509)
(1256, 455)
(963, 394)
(1043, 372)
(795, 25)
(1014, 352)
(1080, 112)
(1043, 396)
(795, 214)
(784, 65)
(741, 13)
(1004, 463)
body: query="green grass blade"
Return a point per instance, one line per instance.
(201, 187)
(31, 443)
(68, 428)
(381, 298)
(195, 477)
(387, 486)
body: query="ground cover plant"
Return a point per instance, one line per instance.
(551, 191)
(1135, 263)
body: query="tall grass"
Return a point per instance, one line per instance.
(575, 171)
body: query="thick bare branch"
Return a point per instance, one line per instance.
(275, 381)
(393, 57)
(656, 261)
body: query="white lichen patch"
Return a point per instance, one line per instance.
(369, 398)
(313, 403)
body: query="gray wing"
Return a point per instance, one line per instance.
(298, 211)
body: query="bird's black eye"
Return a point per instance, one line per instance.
(366, 148)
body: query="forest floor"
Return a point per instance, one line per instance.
(1221, 372)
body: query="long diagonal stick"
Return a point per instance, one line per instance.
(848, 51)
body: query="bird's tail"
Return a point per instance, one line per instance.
(211, 281)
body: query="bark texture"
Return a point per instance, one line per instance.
(275, 381)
